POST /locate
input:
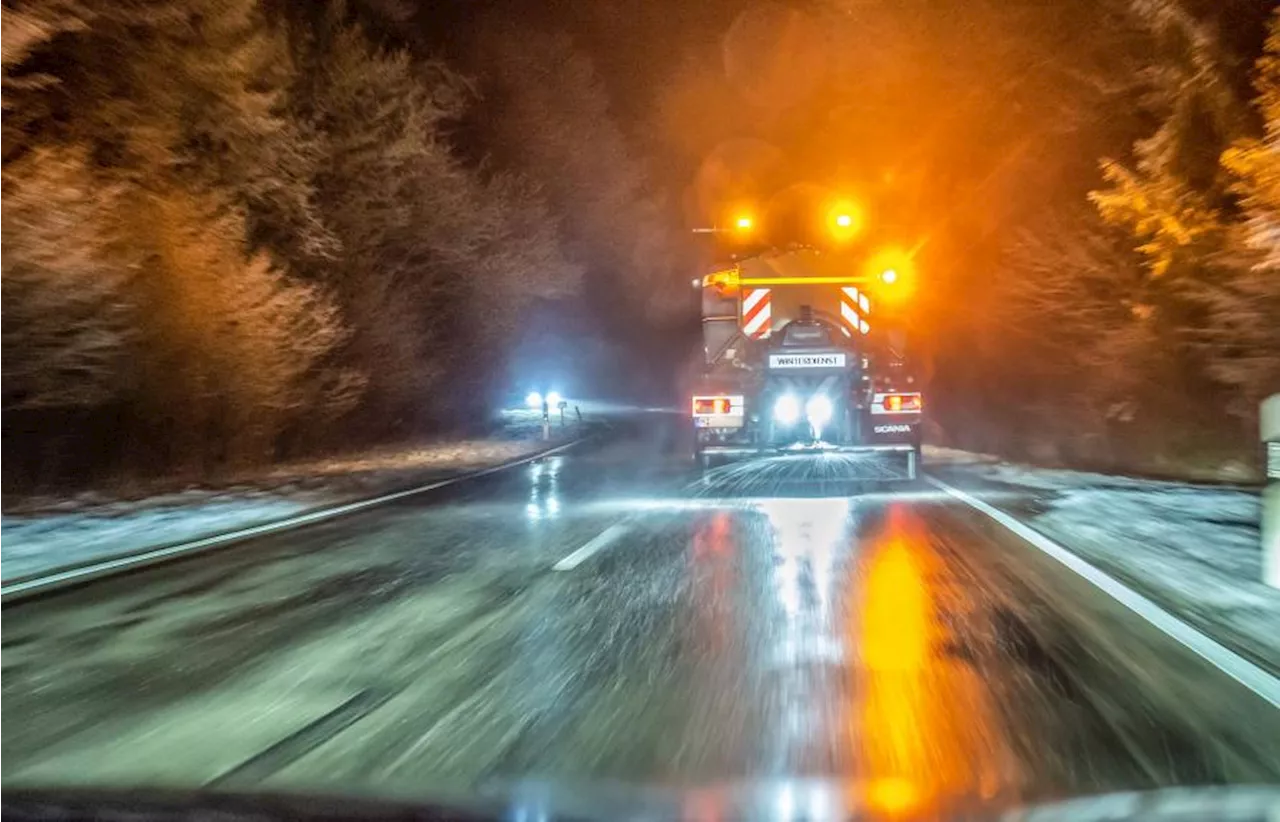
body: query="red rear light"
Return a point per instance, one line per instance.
(712, 405)
(903, 402)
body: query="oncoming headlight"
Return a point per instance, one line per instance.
(786, 410)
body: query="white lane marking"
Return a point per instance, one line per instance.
(597, 544)
(146, 557)
(1230, 663)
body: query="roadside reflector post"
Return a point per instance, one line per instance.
(1269, 419)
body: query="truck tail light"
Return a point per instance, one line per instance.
(715, 406)
(903, 402)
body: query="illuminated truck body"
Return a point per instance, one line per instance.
(800, 358)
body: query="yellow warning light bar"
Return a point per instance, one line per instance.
(854, 280)
(732, 279)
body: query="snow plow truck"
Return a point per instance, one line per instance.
(805, 355)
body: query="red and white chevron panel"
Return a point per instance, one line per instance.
(757, 312)
(854, 308)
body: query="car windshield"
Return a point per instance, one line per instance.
(800, 410)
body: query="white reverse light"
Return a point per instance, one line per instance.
(818, 410)
(533, 400)
(787, 409)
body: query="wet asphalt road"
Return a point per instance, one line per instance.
(606, 616)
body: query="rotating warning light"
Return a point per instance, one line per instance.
(892, 273)
(843, 220)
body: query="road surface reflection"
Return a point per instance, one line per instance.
(848, 662)
(544, 489)
(926, 734)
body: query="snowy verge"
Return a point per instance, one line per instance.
(1195, 550)
(49, 534)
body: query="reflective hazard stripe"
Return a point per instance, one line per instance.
(757, 312)
(854, 306)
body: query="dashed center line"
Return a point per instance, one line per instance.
(597, 544)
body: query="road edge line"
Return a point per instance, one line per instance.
(1257, 680)
(55, 579)
(593, 546)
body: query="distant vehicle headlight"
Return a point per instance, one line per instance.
(787, 409)
(534, 400)
(553, 398)
(819, 410)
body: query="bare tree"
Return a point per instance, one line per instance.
(70, 320)
(232, 344)
(1246, 308)
(547, 114)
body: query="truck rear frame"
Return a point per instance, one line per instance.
(807, 375)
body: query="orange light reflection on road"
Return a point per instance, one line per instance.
(892, 796)
(711, 562)
(713, 535)
(925, 733)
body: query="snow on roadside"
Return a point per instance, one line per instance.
(1194, 549)
(56, 533)
(36, 543)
